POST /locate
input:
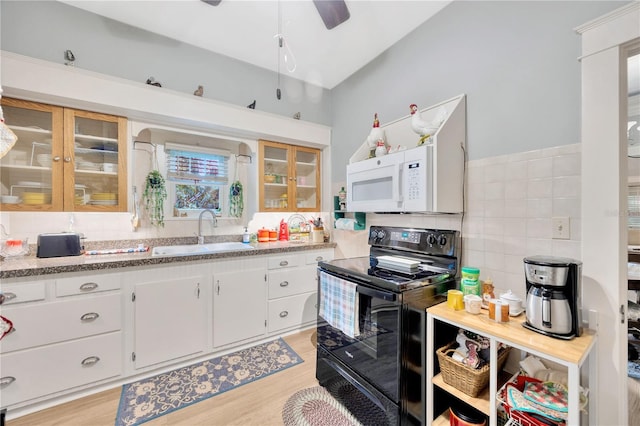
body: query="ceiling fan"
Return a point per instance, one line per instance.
(332, 12)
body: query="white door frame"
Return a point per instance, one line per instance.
(605, 43)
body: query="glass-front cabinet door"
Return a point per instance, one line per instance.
(95, 162)
(307, 181)
(63, 160)
(290, 177)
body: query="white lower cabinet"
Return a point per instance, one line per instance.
(169, 314)
(61, 340)
(45, 370)
(44, 323)
(239, 294)
(292, 311)
(76, 331)
(293, 287)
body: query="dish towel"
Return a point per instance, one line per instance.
(339, 304)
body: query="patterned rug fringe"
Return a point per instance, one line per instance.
(156, 396)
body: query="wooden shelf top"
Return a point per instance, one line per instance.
(513, 333)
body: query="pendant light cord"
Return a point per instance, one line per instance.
(279, 35)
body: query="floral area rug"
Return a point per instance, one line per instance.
(159, 395)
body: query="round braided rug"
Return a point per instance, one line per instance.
(316, 407)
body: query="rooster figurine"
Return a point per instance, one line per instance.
(376, 134)
(421, 127)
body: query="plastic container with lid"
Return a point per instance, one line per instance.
(263, 235)
(459, 416)
(470, 273)
(470, 287)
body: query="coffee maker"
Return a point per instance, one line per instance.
(553, 296)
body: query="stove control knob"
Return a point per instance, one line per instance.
(431, 239)
(442, 240)
(377, 235)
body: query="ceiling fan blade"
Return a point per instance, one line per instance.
(212, 2)
(332, 12)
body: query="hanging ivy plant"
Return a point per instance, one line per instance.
(154, 196)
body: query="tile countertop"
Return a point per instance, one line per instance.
(28, 266)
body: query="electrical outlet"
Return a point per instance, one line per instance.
(560, 228)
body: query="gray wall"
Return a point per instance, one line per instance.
(516, 62)
(45, 29)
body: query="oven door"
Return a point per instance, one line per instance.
(375, 353)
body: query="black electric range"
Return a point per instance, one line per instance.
(379, 375)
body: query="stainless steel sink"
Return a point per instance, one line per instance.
(195, 249)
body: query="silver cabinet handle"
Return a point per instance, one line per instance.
(56, 158)
(88, 286)
(5, 297)
(319, 258)
(284, 314)
(89, 361)
(284, 283)
(90, 316)
(67, 159)
(284, 263)
(6, 381)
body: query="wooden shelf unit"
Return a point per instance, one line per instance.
(571, 354)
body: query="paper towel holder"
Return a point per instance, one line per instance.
(360, 217)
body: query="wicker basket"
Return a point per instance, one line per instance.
(469, 380)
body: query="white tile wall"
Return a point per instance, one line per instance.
(510, 203)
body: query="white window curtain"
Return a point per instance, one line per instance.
(197, 164)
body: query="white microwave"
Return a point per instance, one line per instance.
(403, 181)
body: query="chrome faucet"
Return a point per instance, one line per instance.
(214, 221)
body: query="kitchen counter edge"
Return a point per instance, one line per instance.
(32, 266)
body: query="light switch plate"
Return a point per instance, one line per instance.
(561, 228)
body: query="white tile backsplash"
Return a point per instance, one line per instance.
(567, 186)
(515, 189)
(539, 207)
(567, 165)
(540, 188)
(516, 170)
(522, 193)
(540, 168)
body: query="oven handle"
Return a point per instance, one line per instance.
(367, 291)
(377, 294)
(353, 381)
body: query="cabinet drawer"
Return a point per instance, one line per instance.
(44, 323)
(41, 371)
(288, 282)
(83, 284)
(27, 292)
(318, 256)
(292, 311)
(283, 261)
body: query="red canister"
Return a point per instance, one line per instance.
(273, 235)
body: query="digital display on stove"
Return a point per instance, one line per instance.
(405, 236)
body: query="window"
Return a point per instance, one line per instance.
(197, 179)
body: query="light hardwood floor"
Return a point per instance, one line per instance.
(256, 403)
